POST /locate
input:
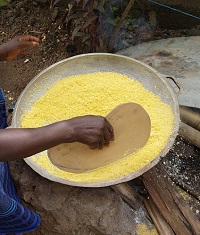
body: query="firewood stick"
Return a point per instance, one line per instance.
(161, 224)
(135, 200)
(190, 117)
(128, 195)
(170, 202)
(190, 134)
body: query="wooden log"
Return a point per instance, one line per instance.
(160, 222)
(190, 134)
(135, 200)
(128, 195)
(170, 202)
(188, 116)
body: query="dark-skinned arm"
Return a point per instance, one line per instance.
(18, 143)
(15, 47)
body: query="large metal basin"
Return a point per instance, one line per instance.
(98, 62)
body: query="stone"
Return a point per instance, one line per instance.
(193, 32)
(71, 210)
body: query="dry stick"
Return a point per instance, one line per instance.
(170, 202)
(129, 195)
(135, 200)
(190, 126)
(123, 17)
(190, 134)
(161, 224)
(190, 117)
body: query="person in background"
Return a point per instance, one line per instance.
(19, 143)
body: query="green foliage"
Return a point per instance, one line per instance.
(3, 3)
(116, 18)
(83, 17)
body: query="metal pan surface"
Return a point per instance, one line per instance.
(90, 63)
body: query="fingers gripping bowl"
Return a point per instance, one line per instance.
(120, 80)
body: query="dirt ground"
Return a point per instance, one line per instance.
(22, 19)
(32, 17)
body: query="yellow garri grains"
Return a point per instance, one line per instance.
(142, 229)
(98, 94)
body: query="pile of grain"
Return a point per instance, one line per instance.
(98, 94)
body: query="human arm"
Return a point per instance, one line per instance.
(18, 143)
(16, 46)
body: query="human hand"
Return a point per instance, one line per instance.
(94, 131)
(16, 46)
(18, 143)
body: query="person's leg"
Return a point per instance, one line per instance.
(14, 217)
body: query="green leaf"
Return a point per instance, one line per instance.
(75, 31)
(86, 37)
(88, 43)
(89, 21)
(3, 3)
(74, 16)
(113, 9)
(79, 34)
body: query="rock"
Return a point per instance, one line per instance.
(71, 210)
(193, 32)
